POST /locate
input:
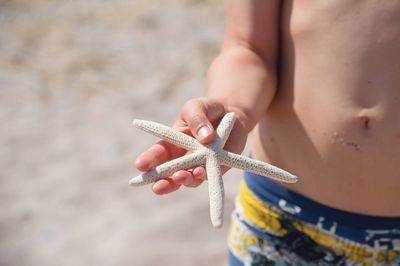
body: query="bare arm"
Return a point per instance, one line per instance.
(241, 79)
(243, 76)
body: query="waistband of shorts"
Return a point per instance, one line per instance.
(265, 189)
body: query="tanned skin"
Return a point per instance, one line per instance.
(318, 82)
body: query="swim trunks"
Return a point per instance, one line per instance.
(273, 226)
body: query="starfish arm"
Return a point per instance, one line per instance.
(215, 190)
(168, 168)
(172, 135)
(225, 127)
(257, 167)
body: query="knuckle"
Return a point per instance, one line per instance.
(196, 120)
(188, 105)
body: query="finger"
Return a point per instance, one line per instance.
(224, 169)
(158, 154)
(199, 114)
(164, 186)
(199, 173)
(186, 178)
(195, 183)
(182, 177)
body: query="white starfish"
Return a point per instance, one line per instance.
(212, 155)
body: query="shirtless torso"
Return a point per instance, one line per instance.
(335, 120)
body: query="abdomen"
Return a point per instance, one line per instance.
(335, 121)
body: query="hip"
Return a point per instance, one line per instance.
(273, 224)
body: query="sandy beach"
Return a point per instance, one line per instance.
(73, 76)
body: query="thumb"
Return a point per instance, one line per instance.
(199, 114)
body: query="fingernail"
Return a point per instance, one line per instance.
(203, 132)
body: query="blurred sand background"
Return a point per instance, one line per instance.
(73, 75)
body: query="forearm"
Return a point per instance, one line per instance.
(243, 81)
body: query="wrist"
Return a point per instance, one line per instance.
(244, 115)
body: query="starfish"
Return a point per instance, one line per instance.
(211, 155)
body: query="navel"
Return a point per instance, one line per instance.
(364, 120)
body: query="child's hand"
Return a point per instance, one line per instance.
(198, 118)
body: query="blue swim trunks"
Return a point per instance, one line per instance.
(273, 226)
